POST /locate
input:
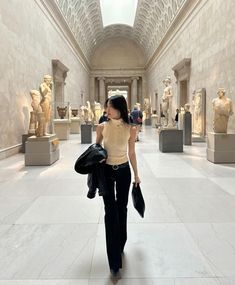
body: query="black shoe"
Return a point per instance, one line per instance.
(91, 194)
(115, 273)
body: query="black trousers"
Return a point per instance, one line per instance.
(115, 205)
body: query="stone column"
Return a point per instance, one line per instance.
(134, 91)
(101, 90)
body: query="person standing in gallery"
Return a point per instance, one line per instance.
(137, 117)
(118, 137)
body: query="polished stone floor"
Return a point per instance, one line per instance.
(51, 234)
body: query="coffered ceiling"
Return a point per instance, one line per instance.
(153, 18)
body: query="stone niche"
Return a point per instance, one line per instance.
(59, 76)
(199, 114)
(182, 74)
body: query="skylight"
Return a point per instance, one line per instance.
(118, 12)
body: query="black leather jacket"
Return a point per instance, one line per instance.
(89, 162)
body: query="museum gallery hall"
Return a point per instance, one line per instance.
(63, 65)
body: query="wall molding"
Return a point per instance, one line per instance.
(9, 151)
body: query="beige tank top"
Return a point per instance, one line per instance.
(116, 134)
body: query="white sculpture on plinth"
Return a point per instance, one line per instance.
(223, 108)
(167, 103)
(46, 93)
(97, 111)
(36, 97)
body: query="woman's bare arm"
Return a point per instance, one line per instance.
(132, 155)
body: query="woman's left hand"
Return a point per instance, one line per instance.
(137, 181)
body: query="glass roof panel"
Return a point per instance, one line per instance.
(118, 12)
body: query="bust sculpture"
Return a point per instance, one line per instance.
(187, 107)
(167, 103)
(222, 108)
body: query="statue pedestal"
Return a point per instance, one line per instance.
(24, 139)
(198, 138)
(154, 120)
(147, 122)
(86, 133)
(62, 128)
(181, 121)
(42, 150)
(171, 140)
(221, 148)
(94, 127)
(75, 125)
(187, 129)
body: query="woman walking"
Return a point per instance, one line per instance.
(118, 138)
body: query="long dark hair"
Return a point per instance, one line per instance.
(118, 102)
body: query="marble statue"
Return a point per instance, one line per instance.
(222, 108)
(147, 108)
(36, 97)
(97, 111)
(138, 105)
(86, 113)
(197, 112)
(46, 93)
(187, 107)
(90, 112)
(167, 103)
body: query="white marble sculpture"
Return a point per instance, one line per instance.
(36, 97)
(97, 111)
(90, 113)
(187, 107)
(147, 108)
(197, 112)
(46, 93)
(223, 109)
(167, 103)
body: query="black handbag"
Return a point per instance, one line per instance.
(138, 199)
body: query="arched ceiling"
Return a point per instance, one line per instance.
(153, 18)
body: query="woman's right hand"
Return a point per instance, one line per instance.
(137, 180)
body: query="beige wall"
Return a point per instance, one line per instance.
(118, 53)
(208, 38)
(29, 41)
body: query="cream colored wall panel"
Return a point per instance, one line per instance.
(208, 38)
(118, 53)
(29, 41)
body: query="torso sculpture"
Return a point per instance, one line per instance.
(197, 116)
(223, 108)
(147, 108)
(33, 125)
(46, 93)
(167, 103)
(98, 112)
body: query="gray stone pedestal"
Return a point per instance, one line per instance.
(62, 128)
(86, 133)
(221, 148)
(147, 122)
(75, 126)
(94, 127)
(24, 139)
(187, 129)
(42, 150)
(154, 120)
(171, 140)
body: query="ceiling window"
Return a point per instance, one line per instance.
(118, 12)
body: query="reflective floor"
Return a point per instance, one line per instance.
(51, 234)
